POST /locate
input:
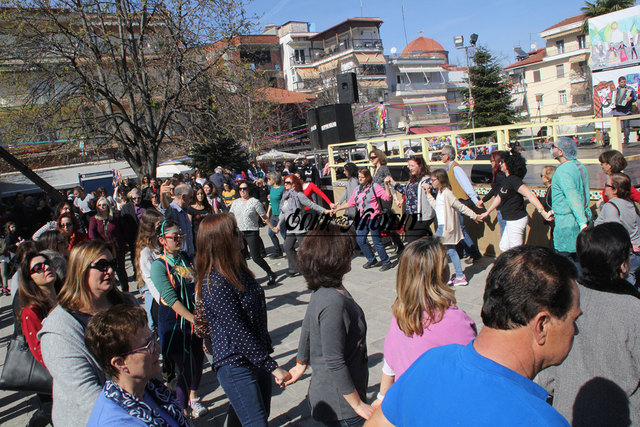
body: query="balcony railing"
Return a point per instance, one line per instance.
(347, 44)
(401, 87)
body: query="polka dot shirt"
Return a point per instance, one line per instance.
(238, 322)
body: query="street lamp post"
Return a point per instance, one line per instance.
(458, 41)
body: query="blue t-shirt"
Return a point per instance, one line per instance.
(454, 385)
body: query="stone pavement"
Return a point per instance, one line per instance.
(286, 304)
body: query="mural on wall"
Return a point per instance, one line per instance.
(615, 39)
(605, 84)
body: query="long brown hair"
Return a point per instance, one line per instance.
(423, 168)
(441, 175)
(421, 286)
(75, 294)
(29, 293)
(146, 238)
(497, 157)
(216, 250)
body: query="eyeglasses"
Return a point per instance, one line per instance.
(150, 347)
(243, 188)
(610, 186)
(39, 267)
(174, 237)
(103, 265)
(66, 225)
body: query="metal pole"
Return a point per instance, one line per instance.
(466, 54)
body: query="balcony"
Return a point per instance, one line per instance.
(300, 61)
(405, 87)
(345, 45)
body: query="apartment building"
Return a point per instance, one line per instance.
(421, 90)
(554, 82)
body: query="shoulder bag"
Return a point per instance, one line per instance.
(22, 372)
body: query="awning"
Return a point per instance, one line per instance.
(578, 58)
(417, 130)
(372, 58)
(431, 100)
(517, 100)
(373, 84)
(307, 73)
(421, 69)
(331, 65)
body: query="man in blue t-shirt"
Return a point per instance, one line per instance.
(531, 303)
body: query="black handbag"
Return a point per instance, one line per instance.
(22, 372)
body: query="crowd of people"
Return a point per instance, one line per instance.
(115, 359)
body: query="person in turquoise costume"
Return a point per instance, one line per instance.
(570, 196)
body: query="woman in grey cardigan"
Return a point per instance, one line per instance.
(292, 216)
(88, 289)
(334, 333)
(351, 172)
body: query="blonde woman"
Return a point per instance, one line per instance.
(425, 314)
(88, 289)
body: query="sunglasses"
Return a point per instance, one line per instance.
(373, 157)
(288, 182)
(243, 188)
(175, 237)
(39, 267)
(609, 185)
(103, 265)
(150, 347)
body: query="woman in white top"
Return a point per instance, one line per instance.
(449, 229)
(145, 254)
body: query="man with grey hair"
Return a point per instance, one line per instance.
(463, 189)
(218, 178)
(569, 197)
(177, 212)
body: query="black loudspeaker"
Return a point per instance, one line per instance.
(314, 129)
(347, 88)
(330, 124)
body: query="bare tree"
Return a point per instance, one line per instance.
(124, 72)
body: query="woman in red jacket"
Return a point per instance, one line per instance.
(69, 227)
(107, 226)
(309, 188)
(612, 161)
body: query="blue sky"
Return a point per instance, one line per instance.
(500, 24)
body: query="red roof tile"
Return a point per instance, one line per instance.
(573, 19)
(535, 56)
(422, 44)
(345, 25)
(283, 96)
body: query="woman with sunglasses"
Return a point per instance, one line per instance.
(248, 211)
(173, 276)
(129, 354)
(292, 216)
(236, 311)
(39, 286)
(109, 227)
(88, 289)
(381, 172)
(69, 227)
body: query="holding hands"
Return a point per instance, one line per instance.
(281, 376)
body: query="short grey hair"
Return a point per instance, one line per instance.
(181, 190)
(449, 151)
(218, 169)
(276, 177)
(134, 192)
(568, 147)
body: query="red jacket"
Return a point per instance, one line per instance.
(635, 195)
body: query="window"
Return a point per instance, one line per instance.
(560, 70)
(582, 41)
(539, 100)
(536, 76)
(400, 79)
(562, 97)
(299, 55)
(560, 46)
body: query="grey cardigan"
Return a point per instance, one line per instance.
(598, 383)
(333, 342)
(287, 209)
(352, 184)
(77, 378)
(622, 211)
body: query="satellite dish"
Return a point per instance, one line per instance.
(394, 50)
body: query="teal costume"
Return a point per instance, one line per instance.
(570, 204)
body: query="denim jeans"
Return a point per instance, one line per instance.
(249, 392)
(453, 254)
(467, 244)
(362, 230)
(274, 238)
(633, 266)
(148, 302)
(501, 222)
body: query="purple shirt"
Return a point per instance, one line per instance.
(139, 211)
(400, 351)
